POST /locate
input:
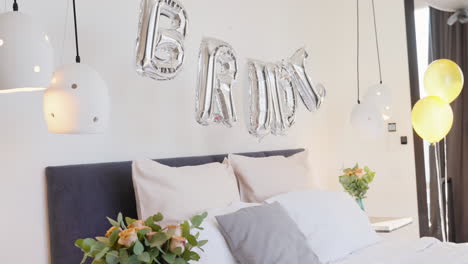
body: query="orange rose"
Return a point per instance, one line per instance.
(138, 225)
(109, 232)
(358, 172)
(177, 242)
(128, 237)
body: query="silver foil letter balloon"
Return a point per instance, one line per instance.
(312, 95)
(272, 99)
(160, 43)
(217, 72)
(260, 100)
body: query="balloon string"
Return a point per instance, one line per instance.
(377, 41)
(439, 189)
(447, 228)
(357, 52)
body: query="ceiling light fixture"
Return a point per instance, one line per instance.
(27, 56)
(77, 101)
(365, 117)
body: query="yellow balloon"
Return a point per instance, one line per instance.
(445, 79)
(432, 118)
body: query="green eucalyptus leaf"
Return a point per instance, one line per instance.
(97, 248)
(112, 257)
(104, 240)
(158, 217)
(180, 261)
(101, 253)
(144, 257)
(134, 260)
(185, 229)
(169, 258)
(114, 237)
(120, 218)
(123, 256)
(154, 253)
(129, 220)
(158, 239)
(201, 243)
(138, 248)
(85, 244)
(178, 251)
(113, 222)
(193, 256)
(192, 240)
(198, 219)
(142, 233)
(149, 221)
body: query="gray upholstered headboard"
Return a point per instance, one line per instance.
(81, 196)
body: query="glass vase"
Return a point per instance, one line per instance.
(360, 202)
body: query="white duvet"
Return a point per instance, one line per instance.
(424, 251)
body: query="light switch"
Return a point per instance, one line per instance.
(404, 140)
(392, 127)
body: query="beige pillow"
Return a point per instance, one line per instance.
(262, 178)
(180, 193)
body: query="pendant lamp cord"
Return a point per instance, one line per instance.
(15, 6)
(357, 52)
(377, 41)
(78, 59)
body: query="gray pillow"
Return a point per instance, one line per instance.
(265, 235)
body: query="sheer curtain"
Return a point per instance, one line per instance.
(451, 42)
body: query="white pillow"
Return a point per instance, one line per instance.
(263, 178)
(332, 222)
(217, 251)
(180, 193)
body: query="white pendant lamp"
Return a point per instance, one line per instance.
(26, 54)
(379, 94)
(77, 101)
(366, 118)
(381, 97)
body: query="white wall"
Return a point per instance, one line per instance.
(156, 119)
(393, 193)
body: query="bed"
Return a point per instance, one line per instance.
(417, 251)
(81, 196)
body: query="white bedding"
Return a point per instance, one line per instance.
(418, 251)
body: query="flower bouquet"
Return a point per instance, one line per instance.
(145, 242)
(356, 182)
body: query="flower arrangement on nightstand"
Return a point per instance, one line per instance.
(356, 182)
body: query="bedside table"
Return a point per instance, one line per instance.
(401, 227)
